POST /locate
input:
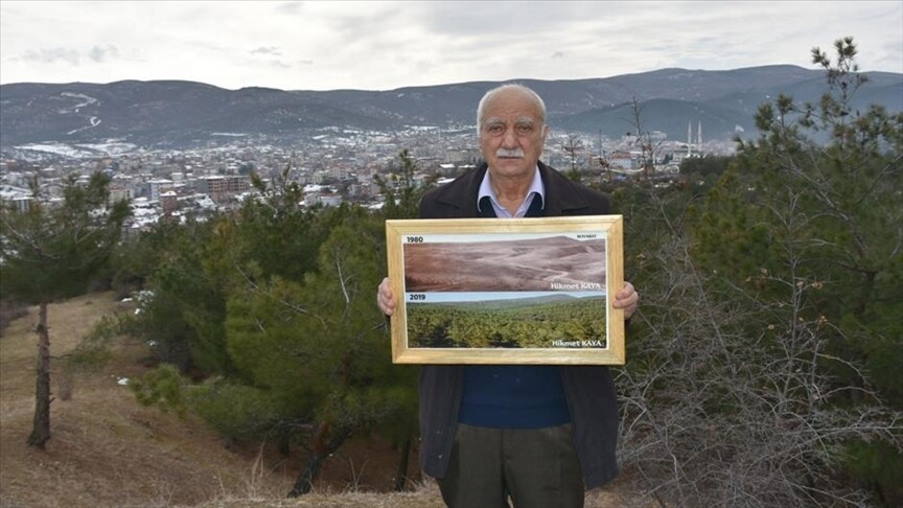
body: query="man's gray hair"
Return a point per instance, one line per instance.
(510, 86)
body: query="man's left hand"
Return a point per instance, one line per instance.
(627, 298)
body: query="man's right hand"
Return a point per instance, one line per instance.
(385, 300)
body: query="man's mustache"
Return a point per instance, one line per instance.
(504, 152)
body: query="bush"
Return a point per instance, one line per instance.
(163, 387)
(236, 411)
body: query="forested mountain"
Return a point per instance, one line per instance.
(182, 113)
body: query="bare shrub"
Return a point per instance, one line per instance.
(729, 399)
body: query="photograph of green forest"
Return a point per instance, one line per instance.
(540, 322)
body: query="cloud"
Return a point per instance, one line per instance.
(889, 57)
(386, 45)
(209, 46)
(369, 23)
(267, 50)
(51, 55)
(289, 7)
(533, 19)
(100, 54)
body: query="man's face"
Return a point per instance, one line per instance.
(512, 134)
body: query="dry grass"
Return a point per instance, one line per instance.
(426, 495)
(107, 450)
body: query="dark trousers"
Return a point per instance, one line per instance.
(535, 467)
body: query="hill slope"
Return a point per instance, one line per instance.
(107, 450)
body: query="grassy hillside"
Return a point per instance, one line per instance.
(107, 450)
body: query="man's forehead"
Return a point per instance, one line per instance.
(513, 100)
(521, 119)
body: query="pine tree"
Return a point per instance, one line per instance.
(318, 346)
(52, 251)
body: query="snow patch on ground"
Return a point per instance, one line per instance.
(92, 122)
(57, 149)
(111, 147)
(81, 150)
(86, 101)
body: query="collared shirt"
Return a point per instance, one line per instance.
(536, 188)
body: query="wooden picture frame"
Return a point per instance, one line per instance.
(507, 291)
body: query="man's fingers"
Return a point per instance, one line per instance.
(626, 295)
(626, 291)
(384, 298)
(628, 312)
(627, 299)
(387, 307)
(630, 300)
(620, 304)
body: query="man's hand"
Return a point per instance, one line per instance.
(385, 300)
(627, 298)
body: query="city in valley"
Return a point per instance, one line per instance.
(331, 165)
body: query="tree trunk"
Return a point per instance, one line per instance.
(40, 432)
(401, 476)
(324, 446)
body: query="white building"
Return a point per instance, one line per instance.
(17, 197)
(158, 186)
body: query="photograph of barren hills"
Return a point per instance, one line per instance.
(554, 263)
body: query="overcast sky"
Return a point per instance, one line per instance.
(385, 45)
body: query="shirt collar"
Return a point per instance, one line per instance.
(536, 187)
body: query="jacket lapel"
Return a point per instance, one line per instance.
(464, 196)
(561, 194)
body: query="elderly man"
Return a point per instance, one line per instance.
(539, 434)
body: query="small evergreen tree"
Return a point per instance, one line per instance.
(317, 349)
(50, 252)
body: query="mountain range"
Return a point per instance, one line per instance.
(179, 114)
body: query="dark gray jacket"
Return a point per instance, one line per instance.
(589, 390)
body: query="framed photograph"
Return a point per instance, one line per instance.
(507, 291)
